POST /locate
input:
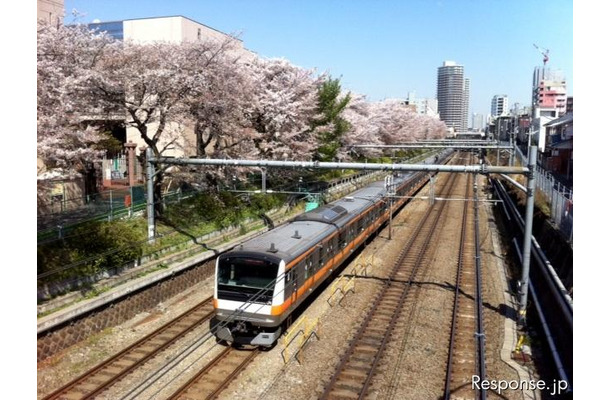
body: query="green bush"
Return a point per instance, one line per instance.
(91, 248)
(102, 245)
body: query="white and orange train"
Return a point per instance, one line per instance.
(260, 283)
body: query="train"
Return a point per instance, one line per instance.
(260, 283)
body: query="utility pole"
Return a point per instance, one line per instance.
(389, 186)
(150, 195)
(512, 150)
(527, 235)
(131, 173)
(432, 193)
(263, 180)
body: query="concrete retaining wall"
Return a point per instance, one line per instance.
(75, 330)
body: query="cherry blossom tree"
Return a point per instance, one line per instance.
(358, 114)
(218, 107)
(154, 85)
(385, 123)
(66, 136)
(203, 99)
(284, 104)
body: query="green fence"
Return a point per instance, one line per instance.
(107, 205)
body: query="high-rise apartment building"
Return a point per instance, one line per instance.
(452, 93)
(499, 105)
(466, 105)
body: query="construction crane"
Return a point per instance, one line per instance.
(545, 54)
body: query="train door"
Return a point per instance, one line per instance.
(321, 256)
(291, 287)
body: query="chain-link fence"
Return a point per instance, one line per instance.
(110, 204)
(107, 205)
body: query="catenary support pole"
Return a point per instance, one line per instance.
(150, 195)
(512, 150)
(527, 239)
(389, 186)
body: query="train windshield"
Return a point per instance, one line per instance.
(246, 279)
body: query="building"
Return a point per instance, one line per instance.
(479, 122)
(523, 128)
(502, 127)
(558, 157)
(570, 105)
(499, 105)
(428, 107)
(452, 93)
(50, 11)
(549, 90)
(542, 116)
(466, 105)
(172, 29)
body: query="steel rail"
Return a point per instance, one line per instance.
(208, 370)
(80, 385)
(428, 221)
(456, 296)
(480, 335)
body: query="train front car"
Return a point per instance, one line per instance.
(246, 290)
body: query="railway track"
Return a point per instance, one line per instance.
(359, 364)
(103, 376)
(463, 360)
(216, 375)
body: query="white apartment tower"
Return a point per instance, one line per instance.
(452, 93)
(499, 105)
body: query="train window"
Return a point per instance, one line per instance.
(245, 271)
(321, 257)
(289, 276)
(343, 239)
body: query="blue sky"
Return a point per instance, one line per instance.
(385, 49)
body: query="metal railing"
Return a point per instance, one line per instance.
(558, 196)
(107, 205)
